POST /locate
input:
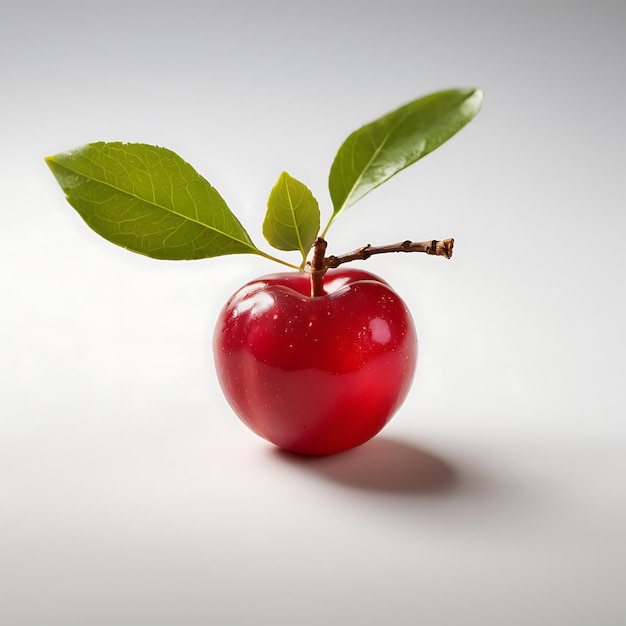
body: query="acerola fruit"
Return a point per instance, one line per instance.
(316, 375)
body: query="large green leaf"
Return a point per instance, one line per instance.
(292, 220)
(381, 149)
(148, 200)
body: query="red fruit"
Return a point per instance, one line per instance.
(316, 375)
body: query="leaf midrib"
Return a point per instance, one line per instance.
(372, 159)
(378, 150)
(152, 203)
(293, 217)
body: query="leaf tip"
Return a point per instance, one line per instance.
(476, 98)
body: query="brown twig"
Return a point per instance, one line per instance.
(434, 247)
(320, 263)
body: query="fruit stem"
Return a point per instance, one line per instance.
(318, 267)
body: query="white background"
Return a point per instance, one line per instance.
(129, 492)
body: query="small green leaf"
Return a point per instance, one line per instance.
(148, 200)
(381, 149)
(292, 220)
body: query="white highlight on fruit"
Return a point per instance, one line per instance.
(381, 333)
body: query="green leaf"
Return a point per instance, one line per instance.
(148, 200)
(381, 149)
(292, 220)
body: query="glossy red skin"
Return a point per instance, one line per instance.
(316, 375)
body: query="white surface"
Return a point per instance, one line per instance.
(130, 494)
